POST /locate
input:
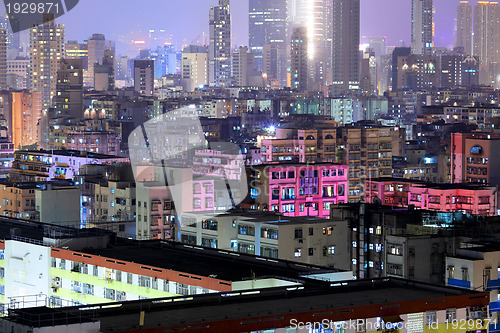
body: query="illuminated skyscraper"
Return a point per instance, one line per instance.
(220, 45)
(345, 46)
(486, 32)
(300, 60)
(421, 26)
(464, 27)
(46, 51)
(268, 26)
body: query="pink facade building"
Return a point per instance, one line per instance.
(469, 199)
(299, 189)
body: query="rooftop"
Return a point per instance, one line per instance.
(73, 153)
(274, 308)
(225, 265)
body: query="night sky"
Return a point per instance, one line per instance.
(188, 19)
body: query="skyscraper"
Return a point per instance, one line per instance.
(345, 45)
(300, 61)
(220, 45)
(46, 50)
(3, 58)
(267, 25)
(421, 26)
(486, 32)
(144, 77)
(464, 27)
(96, 46)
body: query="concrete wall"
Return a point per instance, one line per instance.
(59, 206)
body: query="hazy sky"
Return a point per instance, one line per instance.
(188, 19)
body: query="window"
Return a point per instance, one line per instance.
(465, 274)
(182, 289)
(298, 253)
(96, 271)
(331, 250)
(88, 289)
(118, 276)
(298, 233)
(109, 293)
(129, 278)
(451, 272)
(311, 231)
(62, 264)
(451, 315)
(311, 251)
(431, 317)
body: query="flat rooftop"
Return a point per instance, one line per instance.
(75, 153)
(262, 309)
(46, 317)
(224, 265)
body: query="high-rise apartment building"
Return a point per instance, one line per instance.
(47, 48)
(300, 60)
(486, 40)
(220, 45)
(421, 26)
(268, 25)
(68, 101)
(3, 58)
(194, 66)
(464, 27)
(345, 45)
(144, 77)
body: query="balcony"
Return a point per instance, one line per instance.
(495, 307)
(494, 328)
(493, 285)
(458, 283)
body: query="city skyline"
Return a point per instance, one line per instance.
(124, 21)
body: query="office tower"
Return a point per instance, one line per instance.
(96, 46)
(421, 26)
(46, 51)
(68, 101)
(13, 39)
(299, 59)
(464, 27)
(165, 58)
(219, 50)
(104, 74)
(75, 50)
(398, 52)
(378, 45)
(194, 67)
(368, 73)
(144, 77)
(345, 46)
(3, 58)
(268, 26)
